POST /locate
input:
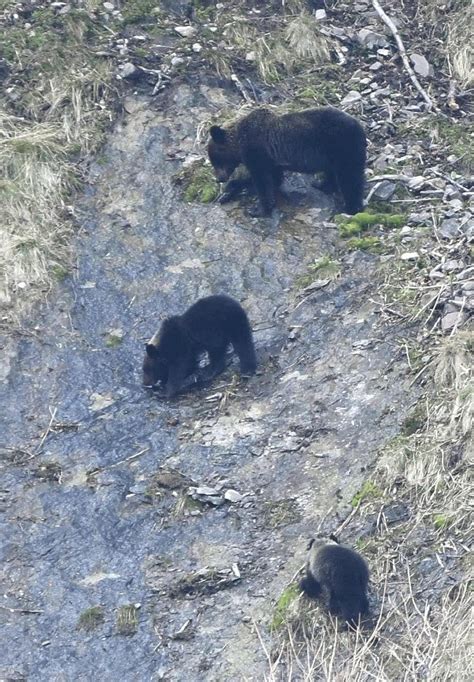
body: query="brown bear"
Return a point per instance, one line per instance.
(340, 577)
(316, 140)
(211, 324)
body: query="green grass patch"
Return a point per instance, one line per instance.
(324, 268)
(415, 421)
(198, 183)
(440, 521)
(127, 619)
(356, 224)
(372, 244)
(281, 612)
(91, 618)
(368, 491)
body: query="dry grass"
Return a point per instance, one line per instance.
(297, 45)
(411, 640)
(452, 22)
(421, 602)
(61, 96)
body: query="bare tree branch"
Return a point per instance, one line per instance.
(403, 54)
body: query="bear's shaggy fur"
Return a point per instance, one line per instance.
(340, 577)
(211, 324)
(312, 141)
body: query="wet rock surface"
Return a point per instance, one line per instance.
(97, 509)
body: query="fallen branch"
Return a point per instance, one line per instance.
(403, 53)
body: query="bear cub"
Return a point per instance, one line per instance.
(340, 577)
(211, 324)
(312, 141)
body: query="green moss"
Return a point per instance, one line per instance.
(368, 491)
(323, 268)
(91, 618)
(440, 521)
(60, 272)
(415, 421)
(360, 222)
(372, 244)
(282, 608)
(199, 183)
(127, 619)
(113, 340)
(134, 11)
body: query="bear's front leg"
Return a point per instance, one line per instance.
(263, 172)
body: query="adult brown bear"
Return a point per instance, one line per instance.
(312, 141)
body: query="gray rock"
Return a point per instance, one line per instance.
(385, 190)
(421, 65)
(449, 229)
(129, 71)
(453, 318)
(351, 97)
(369, 39)
(185, 31)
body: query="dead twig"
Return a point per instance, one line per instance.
(403, 54)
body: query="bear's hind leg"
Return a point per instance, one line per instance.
(216, 363)
(351, 182)
(245, 351)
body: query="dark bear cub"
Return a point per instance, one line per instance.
(340, 577)
(211, 324)
(316, 140)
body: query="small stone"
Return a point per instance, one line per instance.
(232, 496)
(452, 319)
(452, 265)
(385, 190)
(375, 66)
(421, 65)
(449, 229)
(405, 230)
(383, 52)
(410, 255)
(128, 71)
(176, 61)
(197, 47)
(185, 31)
(320, 14)
(416, 183)
(368, 38)
(109, 6)
(351, 97)
(206, 490)
(250, 56)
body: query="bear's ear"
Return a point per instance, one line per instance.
(218, 134)
(151, 350)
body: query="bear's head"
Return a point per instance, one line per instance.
(155, 367)
(224, 153)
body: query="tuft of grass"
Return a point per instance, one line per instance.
(127, 619)
(367, 243)
(280, 513)
(283, 608)
(199, 183)
(136, 11)
(369, 490)
(91, 618)
(324, 268)
(415, 421)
